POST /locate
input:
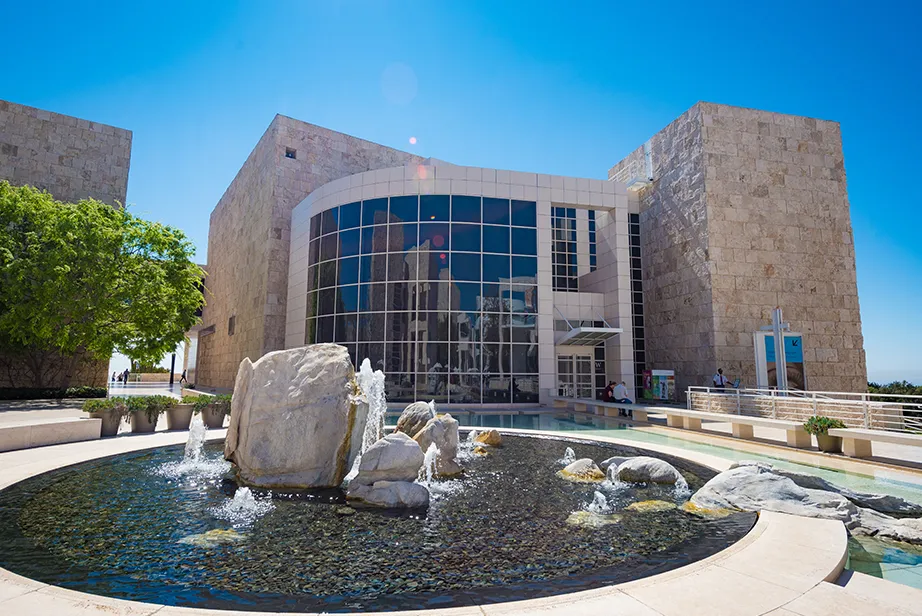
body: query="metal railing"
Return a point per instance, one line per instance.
(894, 412)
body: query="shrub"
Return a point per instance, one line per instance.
(151, 406)
(104, 405)
(821, 425)
(222, 403)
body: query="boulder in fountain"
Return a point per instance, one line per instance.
(582, 471)
(296, 418)
(644, 469)
(757, 487)
(415, 417)
(387, 473)
(650, 506)
(491, 438)
(443, 432)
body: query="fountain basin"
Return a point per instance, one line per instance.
(500, 534)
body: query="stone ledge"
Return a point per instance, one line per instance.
(42, 432)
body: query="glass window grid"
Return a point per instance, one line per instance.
(563, 249)
(592, 241)
(637, 300)
(343, 326)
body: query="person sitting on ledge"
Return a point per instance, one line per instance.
(620, 395)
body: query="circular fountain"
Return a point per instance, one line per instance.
(179, 527)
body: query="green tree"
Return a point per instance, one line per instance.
(82, 280)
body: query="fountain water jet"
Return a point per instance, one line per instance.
(599, 504)
(243, 509)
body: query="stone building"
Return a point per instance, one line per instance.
(73, 159)
(746, 210)
(482, 286)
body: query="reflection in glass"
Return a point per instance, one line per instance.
(345, 328)
(312, 280)
(374, 351)
(525, 389)
(496, 358)
(433, 236)
(432, 357)
(525, 269)
(495, 268)
(373, 268)
(465, 237)
(402, 237)
(327, 301)
(315, 226)
(465, 266)
(328, 273)
(464, 357)
(372, 297)
(374, 239)
(371, 327)
(524, 358)
(433, 207)
(329, 221)
(398, 296)
(524, 328)
(465, 209)
(524, 241)
(496, 297)
(433, 265)
(496, 388)
(524, 213)
(349, 271)
(374, 212)
(349, 243)
(495, 211)
(465, 296)
(404, 208)
(465, 326)
(464, 389)
(350, 215)
(325, 329)
(496, 239)
(310, 331)
(432, 386)
(524, 298)
(433, 295)
(432, 326)
(347, 298)
(313, 252)
(495, 327)
(400, 387)
(311, 304)
(398, 326)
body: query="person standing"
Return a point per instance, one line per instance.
(127, 373)
(720, 381)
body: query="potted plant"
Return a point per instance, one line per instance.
(109, 410)
(145, 410)
(819, 426)
(179, 416)
(215, 409)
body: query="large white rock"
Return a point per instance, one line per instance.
(396, 457)
(296, 418)
(415, 417)
(756, 487)
(644, 469)
(443, 431)
(391, 494)
(882, 503)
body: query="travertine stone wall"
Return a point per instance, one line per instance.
(678, 313)
(71, 158)
(770, 226)
(250, 233)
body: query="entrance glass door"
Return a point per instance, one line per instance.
(574, 376)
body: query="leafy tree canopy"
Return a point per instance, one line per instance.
(88, 278)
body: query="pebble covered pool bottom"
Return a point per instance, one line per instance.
(145, 527)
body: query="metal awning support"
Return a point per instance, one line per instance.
(588, 336)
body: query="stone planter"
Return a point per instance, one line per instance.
(179, 417)
(829, 444)
(140, 424)
(111, 420)
(212, 417)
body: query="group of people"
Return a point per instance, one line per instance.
(617, 392)
(121, 377)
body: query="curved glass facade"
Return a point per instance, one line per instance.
(439, 291)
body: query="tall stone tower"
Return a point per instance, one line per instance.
(746, 210)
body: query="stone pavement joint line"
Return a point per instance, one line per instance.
(782, 566)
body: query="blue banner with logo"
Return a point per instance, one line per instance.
(793, 349)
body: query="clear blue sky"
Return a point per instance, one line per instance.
(520, 85)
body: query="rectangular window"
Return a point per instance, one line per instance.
(563, 253)
(291, 153)
(231, 325)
